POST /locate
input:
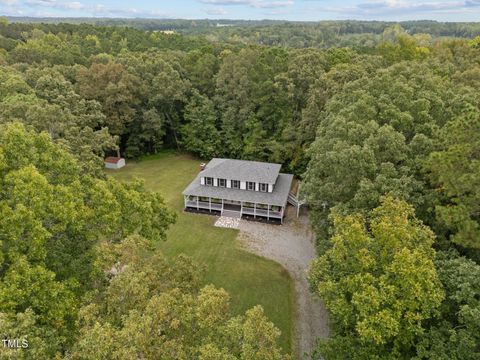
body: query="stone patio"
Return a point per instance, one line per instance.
(227, 222)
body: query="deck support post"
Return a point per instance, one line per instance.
(268, 212)
(281, 215)
(210, 204)
(222, 206)
(254, 210)
(241, 209)
(185, 197)
(198, 208)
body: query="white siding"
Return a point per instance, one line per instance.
(229, 184)
(243, 185)
(270, 187)
(202, 180)
(118, 165)
(215, 182)
(257, 187)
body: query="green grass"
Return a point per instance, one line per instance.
(249, 279)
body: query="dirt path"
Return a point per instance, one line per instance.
(291, 245)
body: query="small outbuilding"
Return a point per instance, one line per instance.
(113, 162)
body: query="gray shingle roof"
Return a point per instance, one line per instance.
(277, 197)
(242, 170)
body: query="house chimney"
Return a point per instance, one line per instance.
(203, 166)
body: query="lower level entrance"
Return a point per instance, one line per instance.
(232, 207)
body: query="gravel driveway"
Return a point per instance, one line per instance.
(291, 245)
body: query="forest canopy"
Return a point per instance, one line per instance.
(379, 121)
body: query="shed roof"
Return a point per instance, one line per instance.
(242, 170)
(277, 197)
(113, 159)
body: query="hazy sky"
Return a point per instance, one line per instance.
(448, 10)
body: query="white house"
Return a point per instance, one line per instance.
(112, 162)
(240, 188)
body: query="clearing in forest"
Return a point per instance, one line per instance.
(249, 279)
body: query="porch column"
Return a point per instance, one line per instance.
(268, 212)
(197, 204)
(281, 214)
(241, 208)
(210, 204)
(222, 206)
(254, 210)
(185, 200)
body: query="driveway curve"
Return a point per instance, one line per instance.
(292, 246)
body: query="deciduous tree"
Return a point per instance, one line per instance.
(379, 282)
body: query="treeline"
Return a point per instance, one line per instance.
(340, 27)
(359, 35)
(152, 90)
(213, 100)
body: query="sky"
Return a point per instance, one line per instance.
(302, 10)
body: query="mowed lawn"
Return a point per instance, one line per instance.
(249, 279)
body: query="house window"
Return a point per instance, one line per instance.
(235, 184)
(250, 185)
(263, 187)
(222, 182)
(209, 181)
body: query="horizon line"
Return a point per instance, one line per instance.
(227, 19)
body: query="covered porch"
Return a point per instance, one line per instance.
(244, 209)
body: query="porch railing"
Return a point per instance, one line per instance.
(204, 205)
(261, 212)
(245, 210)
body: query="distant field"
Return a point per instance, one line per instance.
(249, 279)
